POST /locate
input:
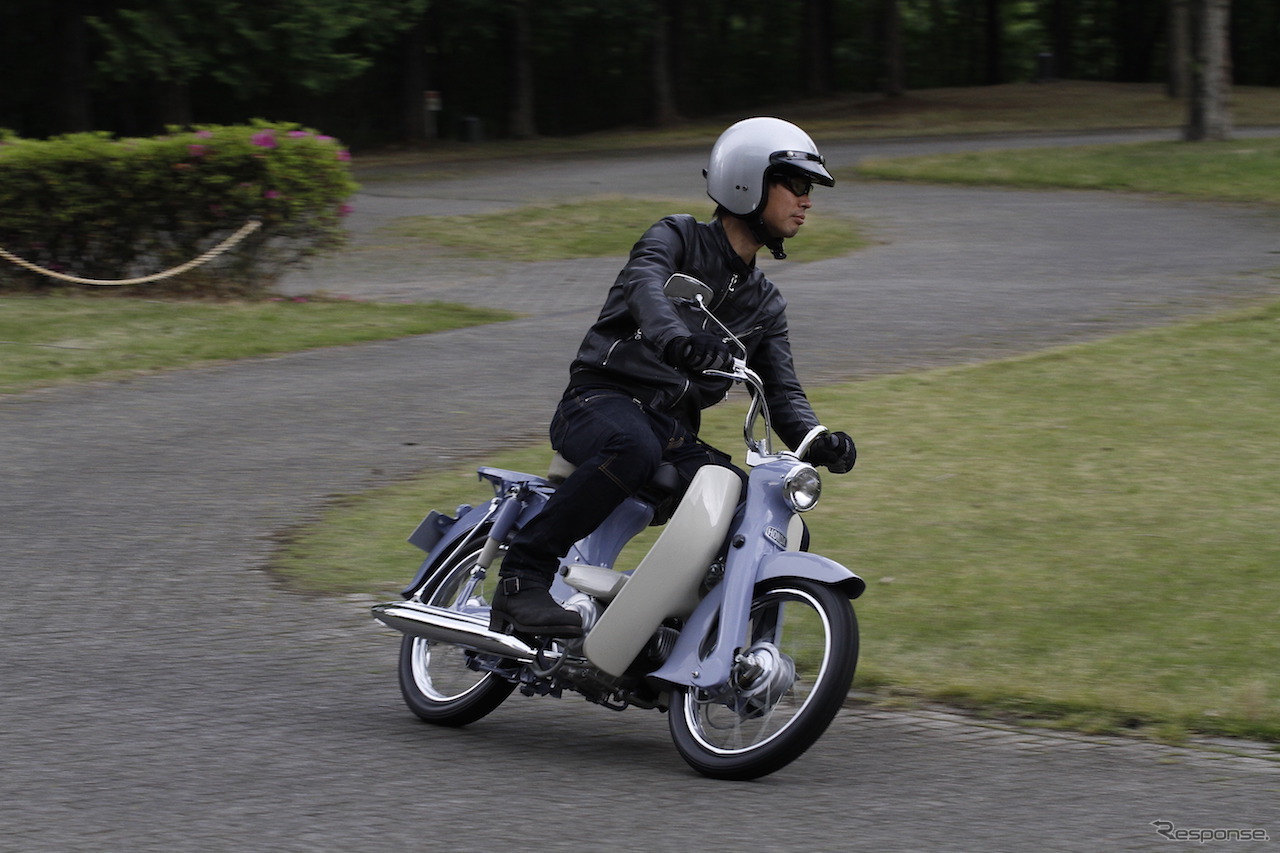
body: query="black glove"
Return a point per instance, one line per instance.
(836, 451)
(698, 352)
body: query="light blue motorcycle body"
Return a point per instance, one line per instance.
(746, 640)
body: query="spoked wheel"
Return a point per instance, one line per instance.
(440, 682)
(791, 677)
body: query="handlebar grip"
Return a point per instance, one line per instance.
(810, 437)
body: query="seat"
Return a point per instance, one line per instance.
(666, 480)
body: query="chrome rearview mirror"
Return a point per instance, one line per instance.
(688, 288)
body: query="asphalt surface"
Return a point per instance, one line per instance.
(159, 692)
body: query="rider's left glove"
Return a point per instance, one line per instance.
(836, 451)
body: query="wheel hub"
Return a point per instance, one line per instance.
(762, 675)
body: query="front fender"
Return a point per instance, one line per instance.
(814, 567)
(691, 664)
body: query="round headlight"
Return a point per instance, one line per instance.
(802, 486)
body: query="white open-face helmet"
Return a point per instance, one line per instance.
(750, 152)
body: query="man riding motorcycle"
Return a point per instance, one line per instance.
(637, 385)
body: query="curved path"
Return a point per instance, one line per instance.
(158, 692)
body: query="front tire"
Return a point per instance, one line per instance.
(440, 682)
(793, 674)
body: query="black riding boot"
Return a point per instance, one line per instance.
(526, 604)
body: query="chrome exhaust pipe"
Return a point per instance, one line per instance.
(451, 626)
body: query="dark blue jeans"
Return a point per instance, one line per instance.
(617, 445)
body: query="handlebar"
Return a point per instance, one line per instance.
(755, 389)
(685, 288)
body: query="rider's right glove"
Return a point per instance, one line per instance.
(835, 450)
(698, 352)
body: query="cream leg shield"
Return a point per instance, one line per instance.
(667, 581)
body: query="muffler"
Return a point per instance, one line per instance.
(453, 627)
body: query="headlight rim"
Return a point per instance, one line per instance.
(812, 490)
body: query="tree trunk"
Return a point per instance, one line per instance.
(665, 112)
(1062, 37)
(895, 85)
(817, 45)
(1179, 82)
(1135, 27)
(1209, 115)
(521, 119)
(173, 103)
(419, 124)
(993, 28)
(74, 68)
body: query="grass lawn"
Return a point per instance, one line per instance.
(590, 228)
(49, 340)
(1088, 533)
(1086, 536)
(1245, 170)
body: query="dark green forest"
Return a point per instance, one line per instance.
(360, 69)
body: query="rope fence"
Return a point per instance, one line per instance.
(227, 244)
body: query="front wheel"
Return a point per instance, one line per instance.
(792, 675)
(442, 683)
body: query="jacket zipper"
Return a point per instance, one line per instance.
(728, 291)
(684, 390)
(637, 336)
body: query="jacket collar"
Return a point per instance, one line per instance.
(732, 258)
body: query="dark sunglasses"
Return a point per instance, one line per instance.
(797, 185)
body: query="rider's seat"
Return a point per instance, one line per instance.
(560, 469)
(666, 479)
(662, 492)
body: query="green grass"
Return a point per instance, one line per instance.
(1086, 535)
(1241, 170)
(48, 340)
(590, 228)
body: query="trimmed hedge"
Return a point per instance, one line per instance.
(97, 207)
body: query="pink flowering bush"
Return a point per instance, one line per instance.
(98, 207)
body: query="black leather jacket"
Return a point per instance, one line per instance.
(623, 349)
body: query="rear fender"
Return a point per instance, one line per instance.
(439, 535)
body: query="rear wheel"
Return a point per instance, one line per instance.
(792, 675)
(442, 683)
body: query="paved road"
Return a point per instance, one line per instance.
(159, 692)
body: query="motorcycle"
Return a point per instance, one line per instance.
(747, 642)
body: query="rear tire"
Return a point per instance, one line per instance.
(802, 639)
(440, 682)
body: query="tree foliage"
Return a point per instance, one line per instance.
(359, 68)
(247, 45)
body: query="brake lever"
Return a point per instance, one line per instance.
(737, 374)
